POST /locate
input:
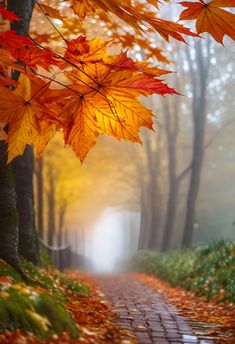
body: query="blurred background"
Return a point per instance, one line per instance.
(175, 190)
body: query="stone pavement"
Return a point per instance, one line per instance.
(143, 311)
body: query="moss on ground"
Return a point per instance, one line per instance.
(40, 306)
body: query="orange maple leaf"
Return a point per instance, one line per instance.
(50, 11)
(35, 57)
(81, 51)
(131, 14)
(211, 18)
(103, 98)
(24, 114)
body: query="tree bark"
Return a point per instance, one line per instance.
(61, 214)
(153, 193)
(172, 128)
(9, 230)
(143, 219)
(23, 174)
(39, 181)
(8, 213)
(51, 211)
(23, 166)
(199, 83)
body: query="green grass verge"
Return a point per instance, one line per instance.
(40, 306)
(208, 271)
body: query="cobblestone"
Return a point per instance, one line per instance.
(145, 313)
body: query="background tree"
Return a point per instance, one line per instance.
(77, 86)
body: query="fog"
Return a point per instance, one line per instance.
(175, 190)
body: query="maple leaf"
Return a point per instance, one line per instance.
(103, 98)
(81, 50)
(11, 41)
(9, 15)
(155, 2)
(35, 57)
(24, 114)
(211, 18)
(122, 61)
(7, 81)
(50, 11)
(133, 15)
(6, 61)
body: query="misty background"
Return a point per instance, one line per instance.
(176, 190)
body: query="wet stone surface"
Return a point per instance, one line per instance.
(143, 311)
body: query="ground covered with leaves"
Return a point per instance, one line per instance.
(54, 308)
(219, 316)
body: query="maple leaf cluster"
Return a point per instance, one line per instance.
(84, 91)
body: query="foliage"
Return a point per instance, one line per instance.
(23, 307)
(45, 260)
(54, 281)
(7, 270)
(40, 306)
(210, 17)
(77, 86)
(208, 271)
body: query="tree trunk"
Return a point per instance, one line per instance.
(172, 128)
(143, 220)
(39, 181)
(62, 212)
(202, 64)
(153, 158)
(9, 231)
(23, 175)
(8, 213)
(170, 214)
(23, 166)
(51, 212)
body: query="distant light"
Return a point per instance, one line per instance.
(195, 226)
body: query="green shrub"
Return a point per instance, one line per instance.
(208, 271)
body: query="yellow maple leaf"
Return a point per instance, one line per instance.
(23, 113)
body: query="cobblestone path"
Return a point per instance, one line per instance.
(143, 311)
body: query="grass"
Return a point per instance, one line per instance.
(208, 271)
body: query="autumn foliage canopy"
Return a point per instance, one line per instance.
(76, 85)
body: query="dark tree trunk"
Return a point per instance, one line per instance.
(143, 220)
(23, 175)
(9, 230)
(150, 216)
(39, 181)
(8, 213)
(170, 214)
(51, 212)
(62, 212)
(202, 64)
(154, 221)
(23, 166)
(172, 128)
